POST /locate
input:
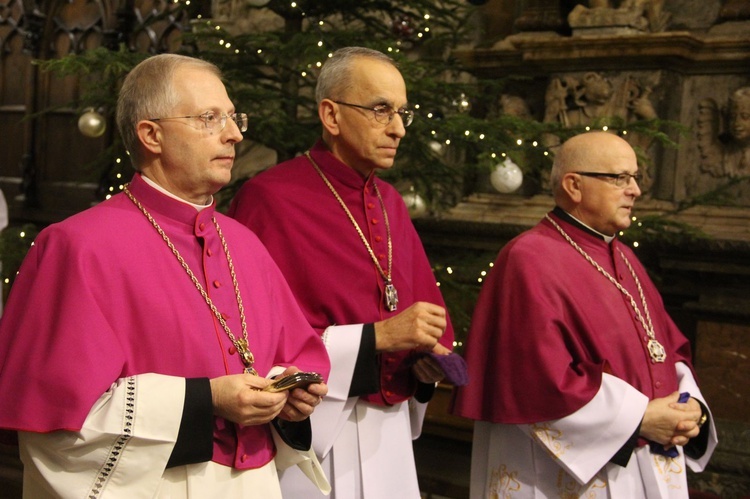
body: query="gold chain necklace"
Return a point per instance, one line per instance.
(655, 349)
(391, 295)
(240, 344)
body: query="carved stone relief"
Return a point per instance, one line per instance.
(723, 135)
(597, 100)
(242, 16)
(630, 16)
(513, 105)
(734, 10)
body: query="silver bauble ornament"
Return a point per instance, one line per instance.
(414, 202)
(507, 177)
(436, 147)
(91, 123)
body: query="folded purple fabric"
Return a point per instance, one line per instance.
(454, 367)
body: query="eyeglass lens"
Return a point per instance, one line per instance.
(211, 119)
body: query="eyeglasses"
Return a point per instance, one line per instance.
(384, 114)
(620, 179)
(212, 119)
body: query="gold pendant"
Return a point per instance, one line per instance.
(246, 355)
(391, 297)
(657, 352)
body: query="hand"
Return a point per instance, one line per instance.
(427, 370)
(418, 327)
(687, 428)
(238, 398)
(669, 423)
(302, 401)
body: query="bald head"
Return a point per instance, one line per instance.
(584, 181)
(591, 151)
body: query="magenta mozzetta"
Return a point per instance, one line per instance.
(130, 308)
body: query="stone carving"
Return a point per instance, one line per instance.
(724, 136)
(628, 16)
(592, 98)
(243, 16)
(595, 100)
(735, 10)
(514, 105)
(224, 9)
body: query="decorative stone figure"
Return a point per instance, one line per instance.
(725, 150)
(595, 100)
(243, 16)
(514, 105)
(735, 10)
(592, 99)
(630, 16)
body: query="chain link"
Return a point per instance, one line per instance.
(386, 277)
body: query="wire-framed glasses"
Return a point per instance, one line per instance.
(214, 120)
(384, 114)
(620, 179)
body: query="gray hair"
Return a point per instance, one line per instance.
(336, 74)
(148, 92)
(571, 154)
(555, 176)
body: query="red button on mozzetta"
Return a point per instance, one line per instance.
(217, 284)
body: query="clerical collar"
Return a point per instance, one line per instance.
(333, 167)
(574, 221)
(161, 189)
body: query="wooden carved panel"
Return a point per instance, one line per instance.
(14, 64)
(47, 158)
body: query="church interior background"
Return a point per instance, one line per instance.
(685, 63)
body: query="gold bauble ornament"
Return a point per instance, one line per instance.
(91, 123)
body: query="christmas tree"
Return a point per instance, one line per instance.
(270, 52)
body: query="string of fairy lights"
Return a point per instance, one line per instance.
(461, 103)
(423, 29)
(478, 277)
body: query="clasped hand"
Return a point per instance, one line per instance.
(670, 423)
(240, 398)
